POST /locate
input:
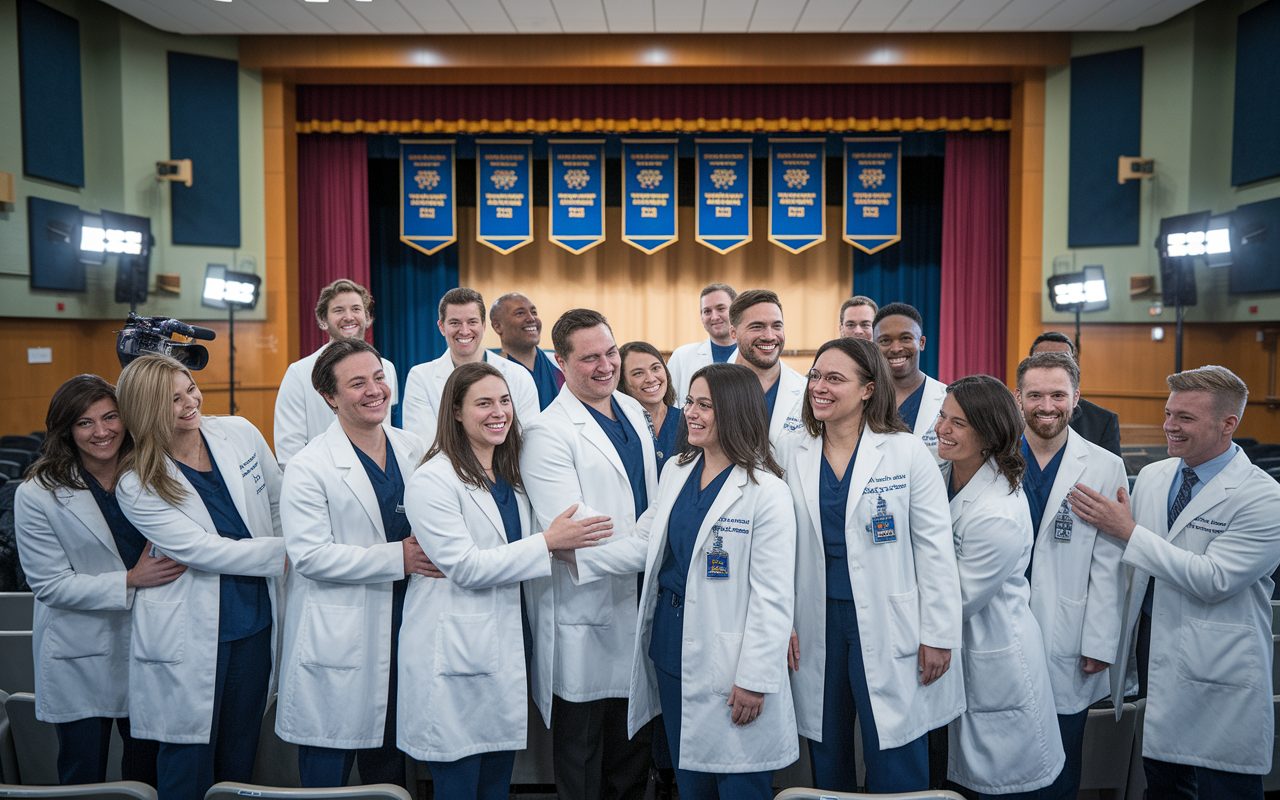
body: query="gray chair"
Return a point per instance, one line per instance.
(1137, 786)
(116, 790)
(826, 794)
(8, 758)
(35, 742)
(229, 790)
(1271, 781)
(277, 761)
(17, 670)
(1108, 747)
(1275, 667)
(16, 610)
(1275, 616)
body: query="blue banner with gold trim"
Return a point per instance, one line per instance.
(428, 194)
(872, 201)
(576, 218)
(504, 204)
(797, 193)
(723, 208)
(650, 217)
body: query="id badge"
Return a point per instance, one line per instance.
(882, 529)
(717, 566)
(1062, 523)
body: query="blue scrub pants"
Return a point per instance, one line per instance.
(698, 785)
(1167, 781)
(83, 746)
(1067, 784)
(845, 696)
(483, 776)
(186, 771)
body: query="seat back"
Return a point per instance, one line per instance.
(8, 758)
(17, 670)
(10, 469)
(115, 790)
(16, 610)
(277, 761)
(827, 794)
(34, 742)
(1108, 746)
(20, 442)
(230, 790)
(20, 457)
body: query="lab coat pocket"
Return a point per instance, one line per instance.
(904, 623)
(63, 644)
(332, 636)
(995, 680)
(467, 644)
(591, 604)
(1068, 628)
(159, 630)
(724, 662)
(1219, 653)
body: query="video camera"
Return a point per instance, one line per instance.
(142, 335)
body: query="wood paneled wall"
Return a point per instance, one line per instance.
(1123, 369)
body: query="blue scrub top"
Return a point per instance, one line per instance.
(1036, 484)
(720, 354)
(509, 509)
(665, 441)
(910, 408)
(833, 501)
(546, 375)
(388, 488)
(771, 396)
(244, 605)
(129, 540)
(687, 516)
(627, 443)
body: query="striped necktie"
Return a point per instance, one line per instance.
(1189, 480)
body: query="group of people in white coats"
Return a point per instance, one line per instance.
(830, 573)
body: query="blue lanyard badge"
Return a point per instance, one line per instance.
(717, 560)
(1062, 523)
(881, 527)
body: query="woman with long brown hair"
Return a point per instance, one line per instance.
(205, 491)
(1007, 743)
(646, 378)
(462, 703)
(875, 574)
(84, 560)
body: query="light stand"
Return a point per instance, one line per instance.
(1077, 292)
(230, 290)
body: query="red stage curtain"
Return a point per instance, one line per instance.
(975, 236)
(333, 222)
(621, 108)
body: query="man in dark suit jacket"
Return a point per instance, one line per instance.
(1093, 422)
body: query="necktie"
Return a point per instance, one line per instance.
(1189, 480)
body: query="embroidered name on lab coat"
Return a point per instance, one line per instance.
(250, 465)
(726, 525)
(885, 483)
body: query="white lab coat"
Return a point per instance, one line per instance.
(788, 405)
(908, 591)
(80, 630)
(688, 359)
(736, 630)
(302, 414)
(175, 627)
(930, 404)
(1076, 582)
(1007, 740)
(462, 685)
(583, 635)
(335, 657)
(1209, 696)
(426, 381)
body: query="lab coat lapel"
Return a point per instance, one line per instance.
(348, 463)
(489, 506)
(1214, 492)
(593, 433)
(729, 494)
(809, 465)
(864, 466)
(85, 508)
(229, 466)
(1070, 469)
(976, 485)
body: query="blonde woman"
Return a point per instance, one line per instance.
(205, 493)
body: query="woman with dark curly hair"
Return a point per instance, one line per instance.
(1007, 742)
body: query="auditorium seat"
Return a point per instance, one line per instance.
(23, 458)
(17, 670)
(824, 794)
(1271, 781)
(1136, 788)
(10, 469)
(116, 790)
(20, 442)
(1275, 617)
(1261, 451)
(8, 758)
(1108, 746)
(16, 609)
(229, 790)
(1268, 463)
(34, 742)
(1274, 472)
(277, 761)
(1275, 663)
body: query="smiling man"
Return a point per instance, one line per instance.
(717, 348)
(858, 318)
(344, 310)
(515, 319)
(899, 333)
(1075, 574)
(755, 320)
(591, 448)
(1201, 542)
(461, 324)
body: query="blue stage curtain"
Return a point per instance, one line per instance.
(911, 270)
(406, 284)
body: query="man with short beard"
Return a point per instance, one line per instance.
(1076, 576)
(755, 322)
(515, 319)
